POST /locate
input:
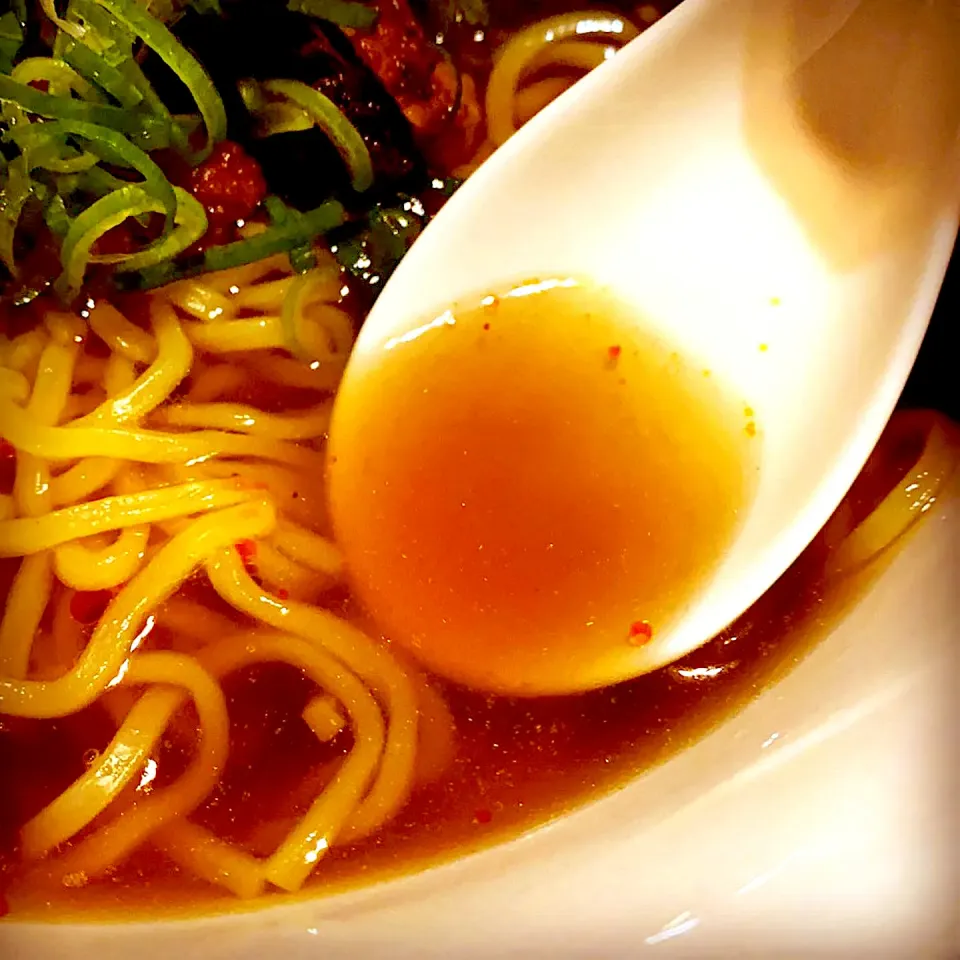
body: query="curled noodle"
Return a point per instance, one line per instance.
(137, 472)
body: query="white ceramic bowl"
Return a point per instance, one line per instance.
(817, 822)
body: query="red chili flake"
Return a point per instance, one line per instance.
(486, 326)
(614, 352)
(248, 553)
(283, 594)
(229, 184)
(640, 632)
(88, 606)
(7, 450)
(482, 816)
(247, 549)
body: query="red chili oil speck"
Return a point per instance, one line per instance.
(614, 352)
(640, 633)
(248, 552)
(88, 606)
(486, 326)
(247, 549)
(7, 450)
(482, 816)
(283, 594)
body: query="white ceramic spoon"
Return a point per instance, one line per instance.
(774, 184)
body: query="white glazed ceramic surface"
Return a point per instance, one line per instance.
(817, 823)
(737, 216)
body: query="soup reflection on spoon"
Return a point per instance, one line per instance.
(530, 487)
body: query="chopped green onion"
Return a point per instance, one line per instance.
(110, 211)
(143, 128)
(206, 6)
(302, 258)
(295, 326)
(282, 118)
(331, 119)
(191, 225)
(344, 13)
(50, 9)
(103, 32)
(15, 193)
(60, 77)
(118, 150)
(276, 239)
(56, 217)
(56, 162)
(11, 39)
(131, 71)
(106, 76)
(156, 36)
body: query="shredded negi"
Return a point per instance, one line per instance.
(139, 137)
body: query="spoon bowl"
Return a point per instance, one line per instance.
(781, 220)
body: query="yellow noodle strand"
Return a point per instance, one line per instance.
(322, 715)
(300, 498)
(172, 364)
(532, 99)
(911, 498)
(285, 371)
(83, 568)
(313, 835)
(186, 618)
(91, 793)
(120, 335)
(144, 446)
(572, 54)
(50, 392)
(215, 381)
(121, 626)
(515, 57)
(210, 858)
(280, 573)
(200, 300)
(67, 636)
(82, 480)
(235, 279)
(370, 661)
(119, 375)
(26, 602)
(121, 836)
(308, 548)
(23, 351)
(30, 534)
(14, 385)
(232, 336)
(240, 418)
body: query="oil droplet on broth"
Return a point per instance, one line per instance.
(518, 483)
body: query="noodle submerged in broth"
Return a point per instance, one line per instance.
(193, 707)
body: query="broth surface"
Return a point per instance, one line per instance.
(522, 518)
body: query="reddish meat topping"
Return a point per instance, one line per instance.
(415, 73)
(228, 183)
